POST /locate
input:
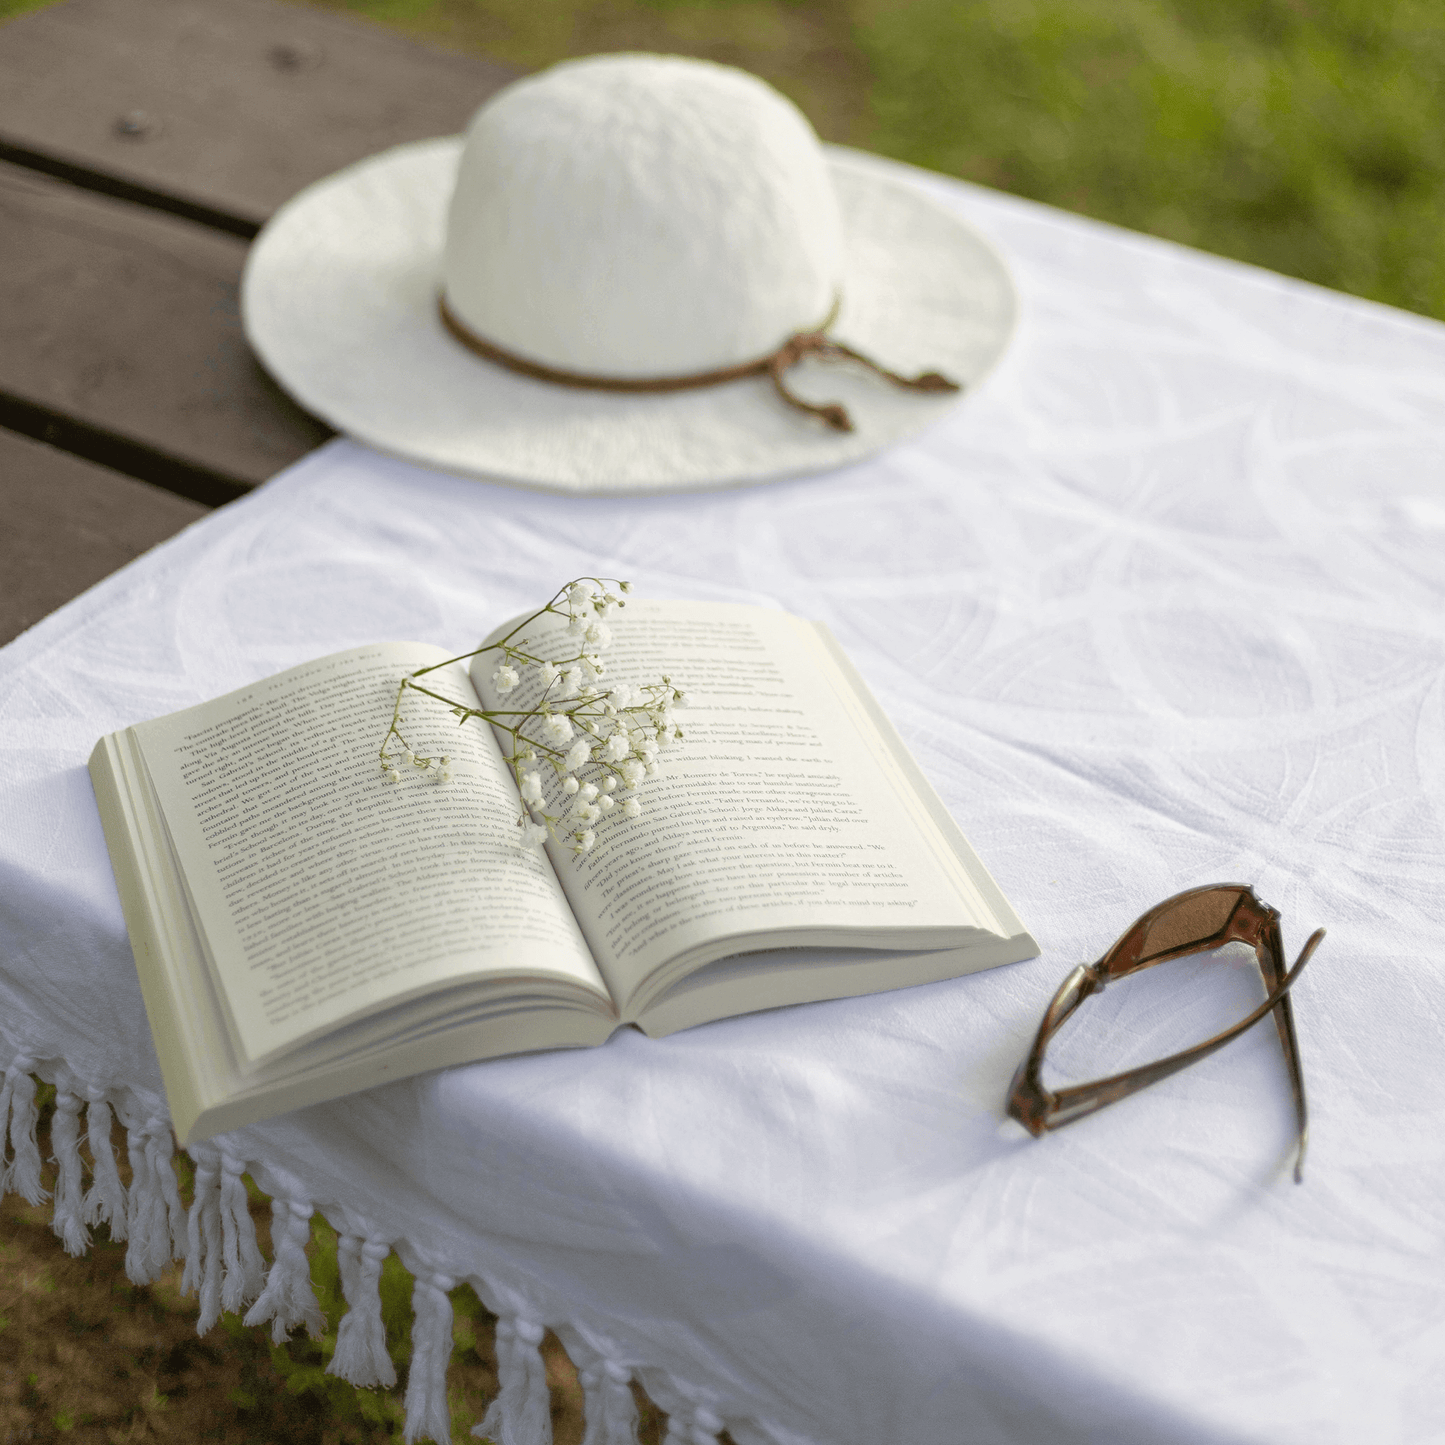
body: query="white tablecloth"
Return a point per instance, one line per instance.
(1160, 605)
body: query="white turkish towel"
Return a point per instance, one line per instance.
(1161, 605)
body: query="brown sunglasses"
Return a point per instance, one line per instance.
(1191, 922)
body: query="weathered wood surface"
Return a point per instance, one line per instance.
(141, 142)
(68, 523)
(126, 319)
(233, 106)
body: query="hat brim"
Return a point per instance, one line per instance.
(339, 301)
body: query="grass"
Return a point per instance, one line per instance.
(87, 1358)
(1307, 136)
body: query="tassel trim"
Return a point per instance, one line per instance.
(245, 1267)
(361, 1356)
(693, 1425)
(522, 1412)
(609, 1411)
(19, 1115)
(428, 1415)
(66, 1218)
(203, 1238)
(223, 1265)
(288, 1299)
(105, 1200)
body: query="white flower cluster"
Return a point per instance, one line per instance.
(437, 770)
(597, 745)
(600, 744)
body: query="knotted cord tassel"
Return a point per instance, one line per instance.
(361, 1356)
(70, 1174)
(428, 1415)
(522, 1412)
(160, 1146)
(17, 1101)
(105, 1201)
(609, 1410)
(203, 1237)
(288, 1299)
(155, 1219)
(694, 1425)
(245, 1267)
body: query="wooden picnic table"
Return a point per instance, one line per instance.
(143, 143)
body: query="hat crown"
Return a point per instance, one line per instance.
(641, 216)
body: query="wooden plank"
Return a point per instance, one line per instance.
(230, 106)
(68, 523)
(127, 321)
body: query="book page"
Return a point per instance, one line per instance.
(323, 892)
(779, 816)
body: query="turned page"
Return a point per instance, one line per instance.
(780, 814)
(323, 892)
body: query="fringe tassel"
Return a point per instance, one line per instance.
(361, 1356)
(609, 1409)
(522, 1412)
(288, 1299)
(160, 1145)
(70, 1174)
(155, 1219)
(695, 1425)
(203, 1237)
(428, 1415)
(245, 1267)
(105, 1203)
(17, 1103)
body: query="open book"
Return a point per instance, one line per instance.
(303, 930)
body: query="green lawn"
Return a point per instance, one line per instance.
(1304, 135)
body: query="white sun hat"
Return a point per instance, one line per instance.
(620, 280)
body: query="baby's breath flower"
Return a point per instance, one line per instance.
(613, 733)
